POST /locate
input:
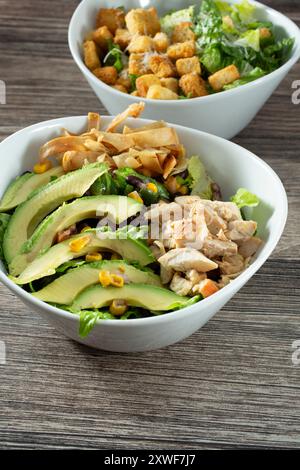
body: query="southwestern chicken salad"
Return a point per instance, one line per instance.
(190, 53)
(121, 224)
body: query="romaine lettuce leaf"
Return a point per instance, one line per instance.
(250, 77)
(250, 38)
(201, 183)
(168, 22)
(243, 198)
(245, 11)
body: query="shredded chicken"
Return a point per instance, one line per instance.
(241, 230)
(180, 285)
(183, 259)
(250, 247)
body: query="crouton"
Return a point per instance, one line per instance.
(188, 65)
(161, 42)
(264, 33)
(91, 58)
(144, 82)
(124, 81)
(120, 88)
(113, 18)
(223, 77)
(138, 64)
(140, 21)
(183, 32)
(122, 38)
(193, 85)
(108, 75)
(181, 50)
(157, 92)
(162, 66)
(135, 93)
(171, 83)
(101, 36)
(140, 44)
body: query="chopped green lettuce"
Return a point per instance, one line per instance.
(200, 181)
(250, 77)
(250, 38)
(245, 10)
(243, 198)
(88, 319)
(169, 21)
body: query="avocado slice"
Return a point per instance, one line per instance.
(116, 208)
(46, 263)
(137, 295)
(40, 203)
(19, 190)
(65, 288)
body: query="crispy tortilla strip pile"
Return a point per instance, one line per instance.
(153, 149)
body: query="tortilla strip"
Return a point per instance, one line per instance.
(126, 160)
(147, 127)
(94, 121)
(73, 160)
(155, 138)
(169, 165)
(134, 110)
(118, 142)
(60, 145)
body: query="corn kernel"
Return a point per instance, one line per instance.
(115, 256)
(116, 280)
(93, 257)
(118, 307)
(152, 187)
(77, 245)
(104, 278)
(85, 229)
(121, 269)
(135, 195)
(40, 168)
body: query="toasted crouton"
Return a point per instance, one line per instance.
(134, 93)
(124, 81)
(113, 18)
(101, 36)
(140, 44)
(181, 50)
(108, 75)
(171, 83)
(162, 66)
(193, 85)
(120, 88)
(144, 82)
(223, 77)
(157, 92)
(265, 33)
(183, 32)
(161, 42)
(122, 38)
(138, 64)
(188, 65)
(91, 58)
(140, 21)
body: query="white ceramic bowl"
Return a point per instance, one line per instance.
(224, 114)
(230, 165)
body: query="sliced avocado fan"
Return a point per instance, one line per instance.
(40, 203)
(115, 208)
(47, 263)
(66, 288)
(20, 189)
(136, 295)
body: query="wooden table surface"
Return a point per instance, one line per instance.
(230, 385)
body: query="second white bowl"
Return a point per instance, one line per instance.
(224, 114)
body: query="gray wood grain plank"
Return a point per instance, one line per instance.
(232, 384)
